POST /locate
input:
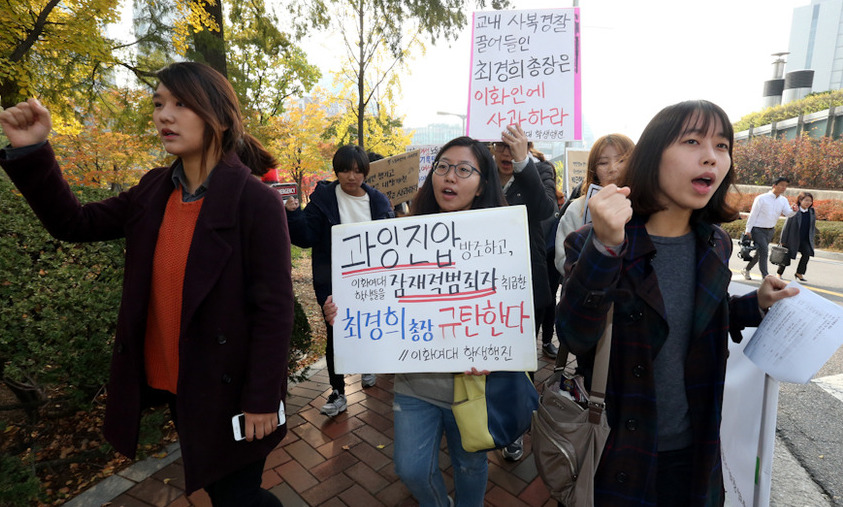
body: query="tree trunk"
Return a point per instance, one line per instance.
(10, 93)
(211, 45)
(361, 79)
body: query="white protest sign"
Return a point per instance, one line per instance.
(434, 293)
(427, 154)
(576, 167)
(525, 68)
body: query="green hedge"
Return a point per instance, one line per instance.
(58, 302)
(18, 486)
(811, 104)
(829, 234)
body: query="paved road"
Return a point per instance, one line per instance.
(808, 464)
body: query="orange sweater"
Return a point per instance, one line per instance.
(163, 321)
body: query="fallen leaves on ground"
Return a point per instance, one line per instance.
(69, 450)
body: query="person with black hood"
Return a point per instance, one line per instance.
(522, 183)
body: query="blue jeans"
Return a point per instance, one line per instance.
(418, 432)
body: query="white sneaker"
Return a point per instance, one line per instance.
(368, 379)
(336, 404)
(745, 273)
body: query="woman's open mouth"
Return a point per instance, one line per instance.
(703, 184)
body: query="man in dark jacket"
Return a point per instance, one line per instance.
(548, 228)
(522, 184)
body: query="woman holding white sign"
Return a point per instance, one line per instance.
(463, 177)
(654, 249)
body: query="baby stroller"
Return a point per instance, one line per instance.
(747, 246)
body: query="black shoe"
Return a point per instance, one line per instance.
(550, 350)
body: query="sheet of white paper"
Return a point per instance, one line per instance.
(798, 335)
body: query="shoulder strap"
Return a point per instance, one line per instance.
(597, 396)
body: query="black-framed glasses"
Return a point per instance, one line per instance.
(462, 169)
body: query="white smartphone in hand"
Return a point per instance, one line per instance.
(238, 423)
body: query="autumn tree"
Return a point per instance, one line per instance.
(299, 141)
(208, 30)
(266, 65)
(115, 145)
(383, 35)
(382, 129)
(55, 49)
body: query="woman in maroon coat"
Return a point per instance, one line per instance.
(207, 306)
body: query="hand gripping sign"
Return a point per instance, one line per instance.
(434, 293)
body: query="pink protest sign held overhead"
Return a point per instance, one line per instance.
(525, 68)
(434, 293)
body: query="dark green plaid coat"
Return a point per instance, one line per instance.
(627, 471)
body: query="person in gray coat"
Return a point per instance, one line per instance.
(798, 234)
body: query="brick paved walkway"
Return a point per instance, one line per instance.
(345, 461)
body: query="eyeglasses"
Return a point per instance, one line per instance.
(462, 170)
(500, 147)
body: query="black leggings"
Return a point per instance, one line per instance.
(242, 488)
(802, 267)
(673, 485)
(547, 319)
(337, 380)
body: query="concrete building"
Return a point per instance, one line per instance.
(816, 44)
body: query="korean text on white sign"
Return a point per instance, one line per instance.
(525, 68)
(434, 293)
(427, 154)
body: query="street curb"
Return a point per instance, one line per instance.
(111, 487)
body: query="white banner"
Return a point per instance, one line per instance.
(434, 293)
(748, 428)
